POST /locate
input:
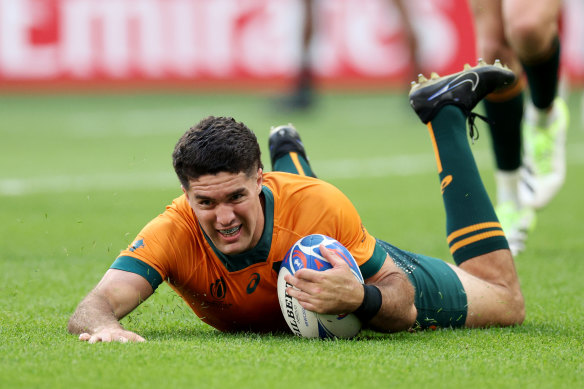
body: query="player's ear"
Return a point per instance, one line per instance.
(260, 180)
(185, 191)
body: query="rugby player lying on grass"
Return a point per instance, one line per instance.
(220, 244)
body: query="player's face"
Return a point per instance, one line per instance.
(229, 209)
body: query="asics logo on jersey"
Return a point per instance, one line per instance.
(253, 283)
(454, 83)
(218, 289)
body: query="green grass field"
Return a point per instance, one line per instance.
(80, 175)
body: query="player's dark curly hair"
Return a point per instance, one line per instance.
(215, 145)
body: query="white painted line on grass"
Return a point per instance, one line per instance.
(397, 165)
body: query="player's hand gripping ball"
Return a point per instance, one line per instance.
(306, 254)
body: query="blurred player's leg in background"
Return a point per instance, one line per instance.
(303, 93)
(524, 35)
(411, 36)
(505, 111)
(532, 30)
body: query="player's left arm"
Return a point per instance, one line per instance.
(397, 311)
(337, 291)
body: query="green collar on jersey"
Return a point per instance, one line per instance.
(260, 252)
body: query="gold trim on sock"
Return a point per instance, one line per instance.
(475, 238)
(296, 162)
(435, 146)
(472, 228)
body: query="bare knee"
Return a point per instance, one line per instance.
(517, 308)
(493, 305)
(529, 37)
(496, 267)
(512, 308)
(493, 290)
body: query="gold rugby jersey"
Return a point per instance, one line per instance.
(238, 292)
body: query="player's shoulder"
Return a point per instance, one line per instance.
(293, 189)
(289, 182)
(180, 205)
(284, 177)
(177, 216)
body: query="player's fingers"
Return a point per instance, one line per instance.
(84, 337)
(107, 337)
(309, 275)
(332, 257)
(312, 303)
(293, 292)
(94, 339)
(132, 337)
(319, 285)
(328, 255)
(309, 306)
(292, 280)
(139, 339)
(309, 286)
(298, 294)
(122, 339)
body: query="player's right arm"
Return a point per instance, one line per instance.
(97, 316)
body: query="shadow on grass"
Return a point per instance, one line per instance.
(209, 333)
(201, 331)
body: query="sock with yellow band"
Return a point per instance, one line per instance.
(293, 162)
(471, 223)
(287, 152)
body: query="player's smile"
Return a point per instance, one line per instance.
(230, 234)
(230, 231)
(229, 209)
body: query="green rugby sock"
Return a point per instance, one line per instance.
(505, 125)
(472, 226)
(542, 77)
(294, 163)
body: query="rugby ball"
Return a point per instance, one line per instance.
(306, 254)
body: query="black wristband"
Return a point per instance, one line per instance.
(371, 303)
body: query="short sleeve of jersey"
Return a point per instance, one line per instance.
(154, 251)
(134, 265)
(372, 266)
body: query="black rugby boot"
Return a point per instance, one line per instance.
(463, 89)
